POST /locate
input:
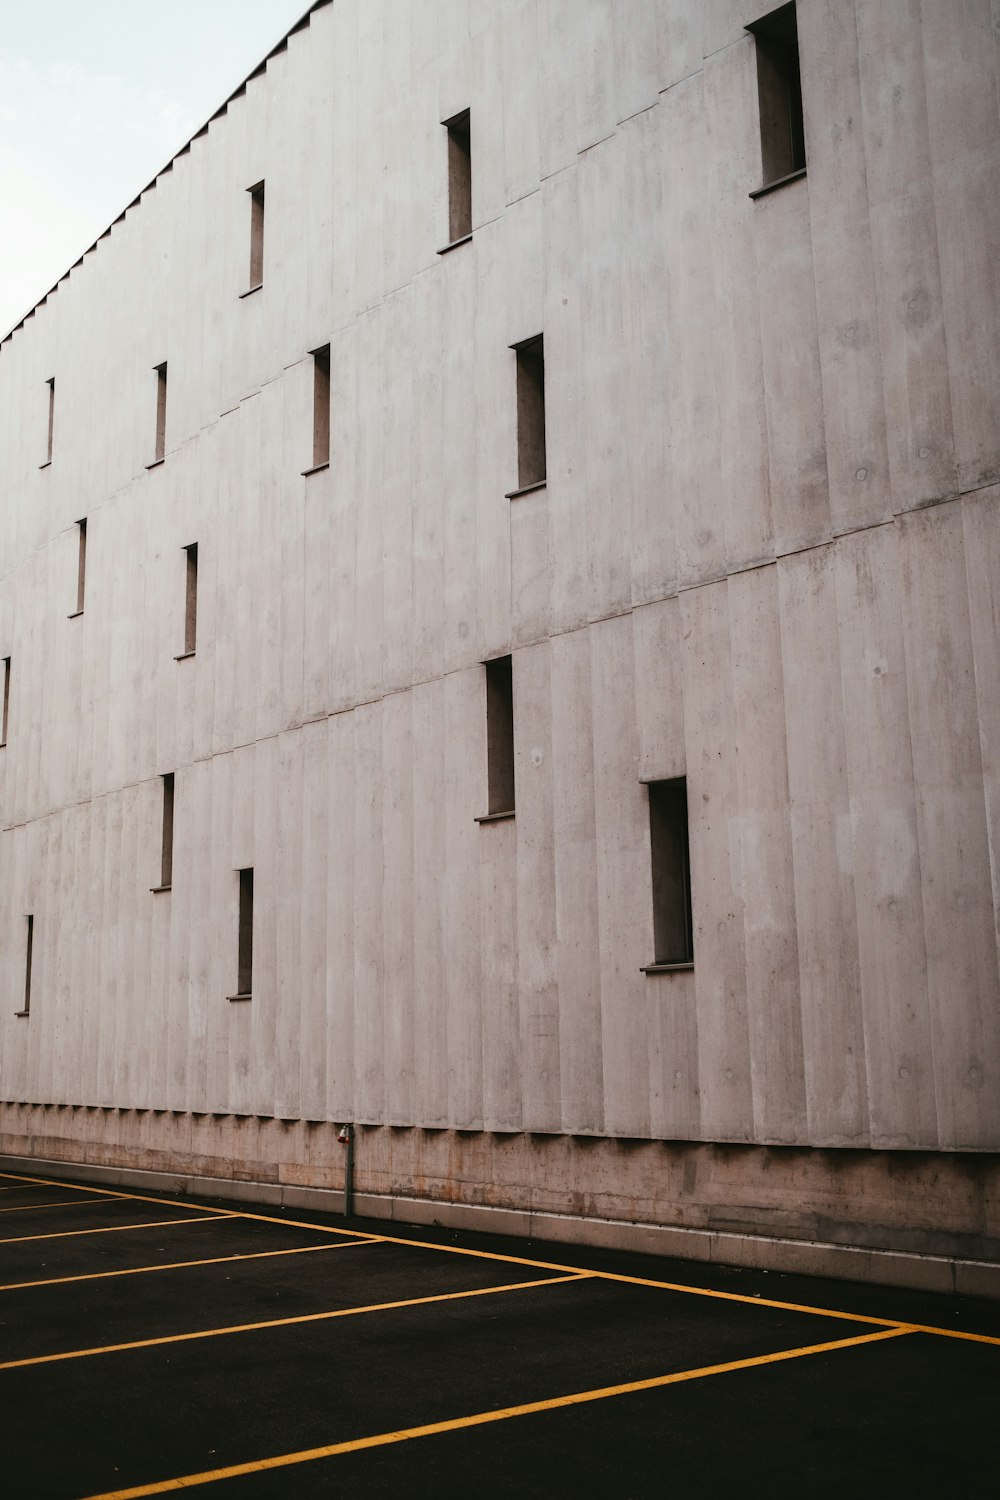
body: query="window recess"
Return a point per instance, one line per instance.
(256, 237)
(244, 984)
(6, 699)
(499, 739)
(29, 945)
(779, 94)
(190, 602)
(321, 408)
(166, 835)
(459, 179)
(81, 567)
(673, 937)
(52, 414)
(161, 415)
(530, 383)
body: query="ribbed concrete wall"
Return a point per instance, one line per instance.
(767, 557)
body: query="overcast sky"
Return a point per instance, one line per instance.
(95, 97)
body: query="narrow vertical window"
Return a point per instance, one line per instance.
(190, 600)
(6, 697)
(459, 177)
(27, 967)
(779, 94)
(256, 236)
(530, 357)
(161, 413)
(244, 985)
(52, 417)
(81, 567)
(673, 941)
(167, 835)
(499, 738)
(321, 406)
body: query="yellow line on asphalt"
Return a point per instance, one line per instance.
(482, 1418)
(23, 1208)
(546, 1265)
(321, 1317)
(179, 1265)
(70, 1234)
(79, 1187)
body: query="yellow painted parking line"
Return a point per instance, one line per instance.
(23, 1208)
(179, 1265)
(79, 1187)
(321, 1317)
(546, 1265)
(483, 1418)
(69, 1234)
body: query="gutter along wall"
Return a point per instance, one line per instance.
(764, 558)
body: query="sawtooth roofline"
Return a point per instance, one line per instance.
(261, 67)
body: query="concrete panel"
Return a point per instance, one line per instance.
(716, 872)
(921, 444)
(577, 912)
(846, 309)
(769, 923)
(822, 853)
(960, 71)
(886, 859)
(622, 832)
(959, 926)
(537, 977)
(793, 390)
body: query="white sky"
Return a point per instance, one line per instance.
(95, 97)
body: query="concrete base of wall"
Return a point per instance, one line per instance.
(929, 1221)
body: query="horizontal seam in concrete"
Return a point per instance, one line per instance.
(394, 692)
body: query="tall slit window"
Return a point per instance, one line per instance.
(321, 406)
(673, 937)
(167, 835)
(500, 737)
(459, 176)
(161, 413)
(190, 600)
(6, 698)
(256, 235)
(52, 417)
(779, 94)
(244, 982)
(531, 463)
(81, 567)
(28, 947)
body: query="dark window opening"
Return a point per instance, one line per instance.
(779, 92)
(6, 697)
(321, 406)
(673, 938)
(191, 600)
(161, 412)
(530, 411)
(167, 834)
(27, 966)
(459, 176)
(52, 417)
(256, 235)
(81, 566)
(500, 734)
(244, 986)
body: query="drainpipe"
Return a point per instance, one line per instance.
(346, 1138)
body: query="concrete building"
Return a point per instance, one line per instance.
(500, 624)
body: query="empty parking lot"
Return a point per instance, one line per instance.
(149, 1345)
